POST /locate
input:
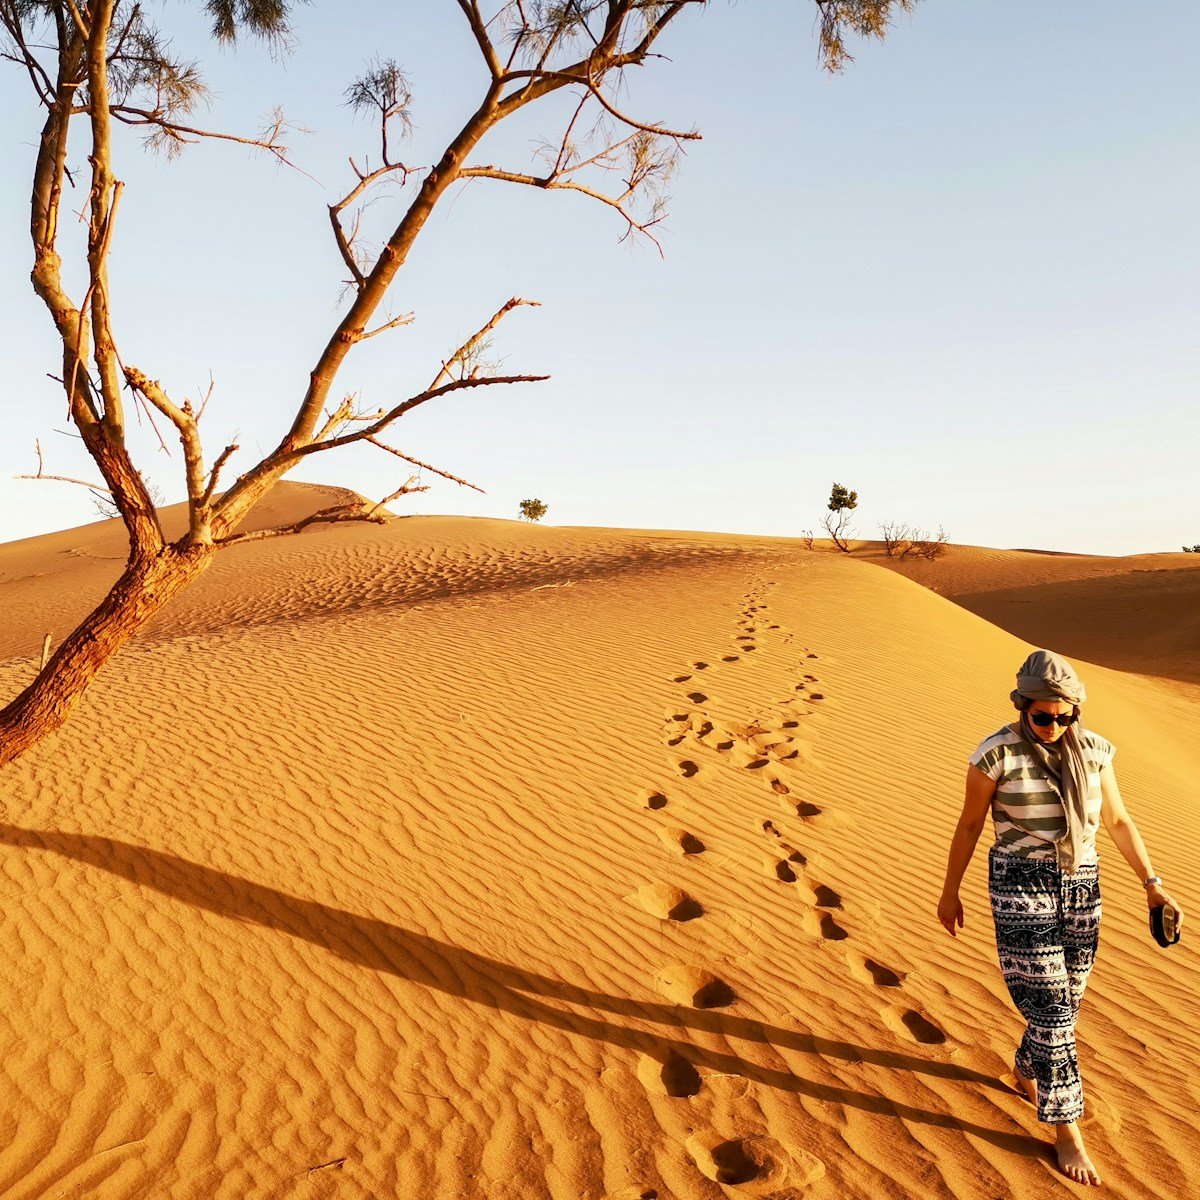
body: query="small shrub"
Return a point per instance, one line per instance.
(1191, 549)
(533, 510)
(807, 538)
(926, 545)
(895, 537)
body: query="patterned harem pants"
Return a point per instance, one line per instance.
(1047, 930)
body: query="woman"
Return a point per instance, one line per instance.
(1048, 782)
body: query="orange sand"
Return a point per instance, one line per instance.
(462, 858)
(1140, 612)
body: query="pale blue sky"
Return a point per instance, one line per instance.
(963, 278)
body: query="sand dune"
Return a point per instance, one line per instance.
(1139, 612)
(462, 858)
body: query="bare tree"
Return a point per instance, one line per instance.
(96, 64)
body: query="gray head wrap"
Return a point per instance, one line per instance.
(1045, 675)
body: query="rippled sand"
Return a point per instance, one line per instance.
(463, 858)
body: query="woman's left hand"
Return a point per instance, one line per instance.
(1157, 895)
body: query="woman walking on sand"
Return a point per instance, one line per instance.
(1048, 782)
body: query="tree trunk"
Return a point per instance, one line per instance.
(143, 589)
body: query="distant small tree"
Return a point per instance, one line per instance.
(807, 538)
(837, 520)
(533, 510)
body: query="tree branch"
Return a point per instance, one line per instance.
(43, 85)
(475, 20)
(189, 436)
(416, 462)
(461, 355)
(341, 512)
(41, 474)
(222, 458)
(394, 323)
(182, 135)
(399, 410)
(558, 183)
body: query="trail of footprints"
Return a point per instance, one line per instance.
(771, 750)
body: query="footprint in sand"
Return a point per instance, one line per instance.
(729, 658)
(907, 1022)
(697, 697)
(725, 745)
(757, 1166)
(825, 897)
(779, 787)
(673, 1076)
(779, 868)
(869, 971)
(816, 696)
(824, 925)
(812, 656)
(652, 799)
(675, 740)
(699, 666)
(799, 808)
(681, 841)
(790, 725)
(687, 768)
(668, 903)
(785, 848)
(694, 987)
(681, 679)
(704, 729)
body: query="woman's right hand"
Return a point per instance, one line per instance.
(950, 912)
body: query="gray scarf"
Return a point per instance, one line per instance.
(1047, 676)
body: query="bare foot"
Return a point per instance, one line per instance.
(1027, 1086)
(1072, 1157)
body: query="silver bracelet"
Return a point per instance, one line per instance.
(1152, 879)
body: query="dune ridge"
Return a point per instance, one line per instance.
(385, 869)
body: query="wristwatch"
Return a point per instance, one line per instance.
(1153, 879)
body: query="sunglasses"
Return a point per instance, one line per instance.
(1045, 719)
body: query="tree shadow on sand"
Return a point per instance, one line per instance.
(425, 961)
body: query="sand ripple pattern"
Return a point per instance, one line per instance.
(383, 899)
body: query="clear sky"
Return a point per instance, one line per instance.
(963, 277)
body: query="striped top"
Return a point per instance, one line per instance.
(1027, 813)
